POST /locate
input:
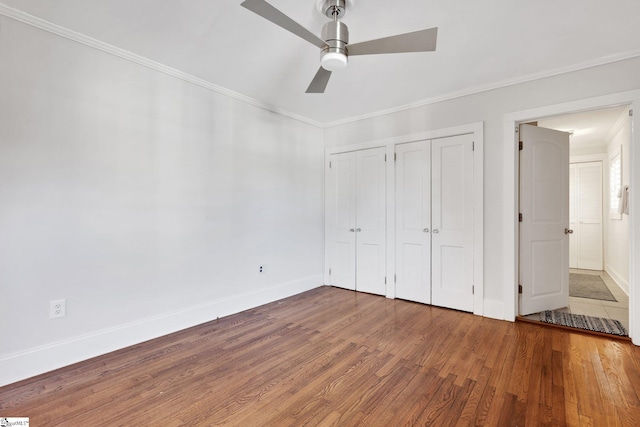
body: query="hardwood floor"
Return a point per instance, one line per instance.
(336, 357)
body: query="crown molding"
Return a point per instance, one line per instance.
(34, 21)
(42, 24)
(492, 86)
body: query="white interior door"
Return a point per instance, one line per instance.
(413, 221)
(452, 222)
(544, 205)
(340, 220)
(370, 221)
(573, 242)
(589, 216)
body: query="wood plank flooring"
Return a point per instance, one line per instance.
(336, 357)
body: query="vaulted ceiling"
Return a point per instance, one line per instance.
(481, 44)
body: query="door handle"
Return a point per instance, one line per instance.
(351, 230)
(426, 230)
(436, 231)
(568, 231)
(358, 230)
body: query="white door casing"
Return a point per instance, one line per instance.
(413, 221)
(544, 205)
(510, 190)
(452, 222)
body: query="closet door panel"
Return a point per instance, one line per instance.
(573, 222)
(370, 221)
(589, 230)
(413, 222)
(452, 222)
(340, 221)
(590, 248)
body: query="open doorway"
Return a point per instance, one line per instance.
(598, 229)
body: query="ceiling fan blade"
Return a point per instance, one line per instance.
(272, 14)
(417, 41)
(319, 82)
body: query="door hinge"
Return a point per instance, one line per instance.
(473, 290)
(630, 113)
(385, 157)
(329, 165)
(385, 280)
(517, 129)
(519, 289)
(520, 146)
(395, 156)
(329, 272)
(519, 217)
(473, 146)
(395, 278)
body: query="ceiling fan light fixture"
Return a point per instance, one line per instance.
(334, 61)
(333, 56)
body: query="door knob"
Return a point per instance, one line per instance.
(358, 230)
(351, 230)
(568, 231)
(436, 231)
(426, 230)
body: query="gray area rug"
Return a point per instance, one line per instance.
(589, 286)
(596, 324)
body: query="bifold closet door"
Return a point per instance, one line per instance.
(370, 221)
(355, 221)
(340, 220)
(434, 222)
(413, 222)
(452, 222)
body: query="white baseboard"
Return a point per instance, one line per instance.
(493, 309)
(620, 281)
(25, 364)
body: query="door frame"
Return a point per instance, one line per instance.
(511, 196)
(477, 129)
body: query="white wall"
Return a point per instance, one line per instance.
(491, 107)
(586, 151)
(616, 245)
(143, 200)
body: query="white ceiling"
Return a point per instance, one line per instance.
(481, 44)
(590, 128)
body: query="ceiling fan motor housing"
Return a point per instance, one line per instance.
(334, 56)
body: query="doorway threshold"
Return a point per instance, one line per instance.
(529, 319)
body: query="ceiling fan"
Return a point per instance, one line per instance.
(334, 40)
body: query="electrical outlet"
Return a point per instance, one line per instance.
(262, 269)
(57, 308)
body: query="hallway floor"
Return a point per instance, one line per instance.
(617, 310)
